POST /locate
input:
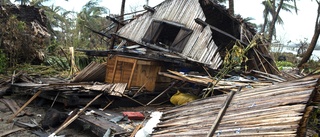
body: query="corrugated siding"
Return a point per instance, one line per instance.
(200, 47)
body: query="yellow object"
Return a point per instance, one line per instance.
(182, 98)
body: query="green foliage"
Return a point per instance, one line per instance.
(21, 25)
(57, 62)
(67, 29)
(37, 70)
(281, 64)
(234, 60)
(313, 122)
(3, 62)
(284, 64)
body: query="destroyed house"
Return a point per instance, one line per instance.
(181, 32)
(201, 35)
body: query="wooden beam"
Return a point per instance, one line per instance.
(74, 117)
(115, 20)
(25, 105)
(114, 70)
(201, 22)
(221, 113)
(148, 8)
(7, 132)
(132, 72)
(172, 84)
(107, 105)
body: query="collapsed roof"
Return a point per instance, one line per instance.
(201, 35)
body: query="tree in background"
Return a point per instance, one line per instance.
(314, 39)
(123, 5)
(91, 16)
(272, 9)
(231, 5)
(4, 2)
(22, 2)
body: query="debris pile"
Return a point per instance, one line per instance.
(163, 52)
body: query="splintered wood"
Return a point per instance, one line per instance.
(261, 80)
(274, 110)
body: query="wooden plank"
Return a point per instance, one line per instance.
(132, 72)
(24, 105)
(7, 132)
(221, 113)
(114, 70)
(67, 123)
(12, 105)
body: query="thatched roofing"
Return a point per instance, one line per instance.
(275, 110)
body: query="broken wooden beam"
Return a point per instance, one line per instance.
(7, 132)
(172, 84)
(12, 105)
(148, 8)
(25, 105)
(74, 117)
(221, 114)
(115, 20)
(107, 105)
(203, 23)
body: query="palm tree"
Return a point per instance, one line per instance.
(22, 2)
(314, 40)
(273, 8)
(4, 2)
(123, 5)
(90, 16)
(231, 5)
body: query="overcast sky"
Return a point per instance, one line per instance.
(295, 28)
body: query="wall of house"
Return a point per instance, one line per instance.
(200, 46)
(144, 74)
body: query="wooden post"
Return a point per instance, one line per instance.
(215, 125)
(27, 103)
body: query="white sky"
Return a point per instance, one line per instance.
(295, 28)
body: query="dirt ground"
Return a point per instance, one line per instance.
(37, 113)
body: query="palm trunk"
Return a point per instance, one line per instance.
(122, 10)
(274, 20)
(231, 7)
(263, 29)
(313, 43)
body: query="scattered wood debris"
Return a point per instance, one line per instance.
(162, 51)
(266, 111)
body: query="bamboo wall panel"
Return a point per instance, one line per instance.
(199, 48)
(274, 110)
